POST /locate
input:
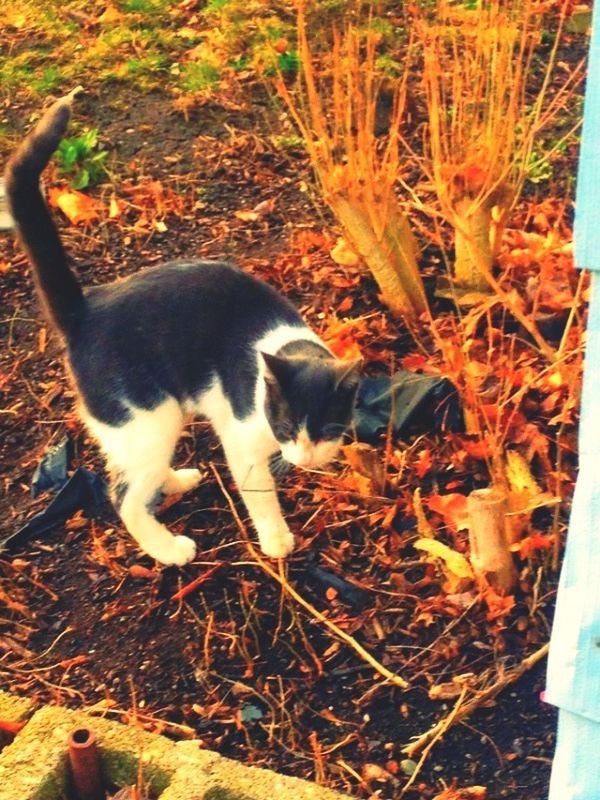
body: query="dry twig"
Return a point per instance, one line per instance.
(461, 711)
(283, 582)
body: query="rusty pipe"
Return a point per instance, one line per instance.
(85, 765)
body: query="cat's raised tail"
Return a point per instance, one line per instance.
(59, 290)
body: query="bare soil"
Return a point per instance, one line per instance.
(88, 621)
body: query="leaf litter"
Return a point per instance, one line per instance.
(223, 650)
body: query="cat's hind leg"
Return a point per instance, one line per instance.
(139, 454)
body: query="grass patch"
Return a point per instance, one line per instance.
(198, 76)
(45, 48)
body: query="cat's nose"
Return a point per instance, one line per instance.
(305, 459)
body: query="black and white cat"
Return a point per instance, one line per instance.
(174, 341)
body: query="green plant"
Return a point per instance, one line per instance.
(290, 141)
(81, 157)
(250, 35)
(47, 80)
(144, 6)
(199, 75)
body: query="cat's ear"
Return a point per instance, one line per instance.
(348, 375)
(278, 370)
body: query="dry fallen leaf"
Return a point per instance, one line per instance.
(343, 254)
(456, 566)
(254, 214)
(373, 772)
(424, 528)
(453, 507)
(76, 206)
(450, 689)
(366, 460)
(42, 340)
(471, 793)
(115, 208)
(138, 571)
(246, 216)
(110, 16)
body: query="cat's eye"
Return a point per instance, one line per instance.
(286, 430)
(332, 430)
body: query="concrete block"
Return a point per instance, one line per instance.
(34, 765)
(14, 708)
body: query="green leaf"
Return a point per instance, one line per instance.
(81, 180)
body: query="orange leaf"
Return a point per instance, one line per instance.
(477, 448)
(345, 305)
(530, 544)
(76, 206)
(498, 605)
(138, 571)
(452, 507)
(75, 661)
(339, 336)
(423, 462)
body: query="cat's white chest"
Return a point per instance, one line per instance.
(253, 432)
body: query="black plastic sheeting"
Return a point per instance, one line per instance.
(84, 489)
(405, 400)
(51, 472)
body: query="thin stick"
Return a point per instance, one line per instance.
(441, 730)
(283, 582)
(193, 585)
(461, 711)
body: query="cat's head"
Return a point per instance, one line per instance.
(309, 403)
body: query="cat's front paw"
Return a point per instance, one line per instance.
(278, 542)
(181, 550)
(180, 481)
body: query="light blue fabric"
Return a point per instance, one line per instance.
(573, 681)
(575, 767)
(574, 662)
(587, 217)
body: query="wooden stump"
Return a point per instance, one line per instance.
(491, 559)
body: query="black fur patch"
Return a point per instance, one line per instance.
(167, 331)
(309, 388)
(171, 330)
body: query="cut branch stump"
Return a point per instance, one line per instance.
(491, 558)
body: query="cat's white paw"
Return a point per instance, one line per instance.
(180, 550)
(180, 481)
(276, 543)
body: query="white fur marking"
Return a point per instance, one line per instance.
(303, 452)
(139, 453)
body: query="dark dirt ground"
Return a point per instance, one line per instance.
(88, 621)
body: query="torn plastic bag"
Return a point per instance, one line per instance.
(51, 472)
(323, 579)
(83, 490)
(408, 399)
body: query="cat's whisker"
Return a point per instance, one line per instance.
(279, 466)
